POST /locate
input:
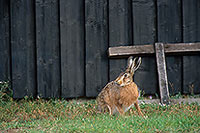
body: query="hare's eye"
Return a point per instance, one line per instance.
(125, 75)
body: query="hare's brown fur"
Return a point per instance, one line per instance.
(119, 95)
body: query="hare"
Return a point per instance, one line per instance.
(119, 95)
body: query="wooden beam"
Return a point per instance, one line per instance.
(147, 101)
(149, 49)
(172, 101)
(131, 50)
(162, 73)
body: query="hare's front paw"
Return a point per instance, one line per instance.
(145, 117)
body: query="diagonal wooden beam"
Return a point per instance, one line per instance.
(176, 48)
(162, 73)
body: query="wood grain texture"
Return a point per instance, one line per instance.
(170, 31)
(191, 33)
(147, 50)
(4, 40)
(96, 25)
(48, 56)
(72, 47)
(182, 48)
(144, 32)
(121, 51)
(23, 48)
(120, 32)
(162, 73)
(172, 101)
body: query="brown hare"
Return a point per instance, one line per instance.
(119, 95)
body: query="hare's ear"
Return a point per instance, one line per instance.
(136, 63)
(130, 62)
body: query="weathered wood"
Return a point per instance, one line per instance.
(144, 25)
(170, 49)
(148, 101)
(120, 33)
(185, 101)
(172, 101)
(72, 47)
(23, 48)
(47, 39)
(170, 31)
(131, 50)
(182, 48)
(4, 41)
(191, 33)
(96, 37)
(162, 73)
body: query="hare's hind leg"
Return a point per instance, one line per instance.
(138, 108)
(120, 109)
(112, 109)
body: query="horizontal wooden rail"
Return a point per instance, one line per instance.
(149, 49)
(172, 101)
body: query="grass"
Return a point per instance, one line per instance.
(61, 115)
(55, 115)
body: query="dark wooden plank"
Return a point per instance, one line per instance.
(72, 47)
(96, 46)
(162, 73)
(191, 33)
(170, 31)
(144, 32)
(179, 48)
(47, 40)
(120, 32)
(23, 48)
(4, 41)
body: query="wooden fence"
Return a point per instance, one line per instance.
(58, 48)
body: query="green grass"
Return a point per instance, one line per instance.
(39, 115)
(62, 115)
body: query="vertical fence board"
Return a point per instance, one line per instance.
(4, 41)
(72, 47)
(96, 46)
(47, 41)
(170, 30)
(191, 33)
(144, 32)
(23, 48)
(120, 32)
